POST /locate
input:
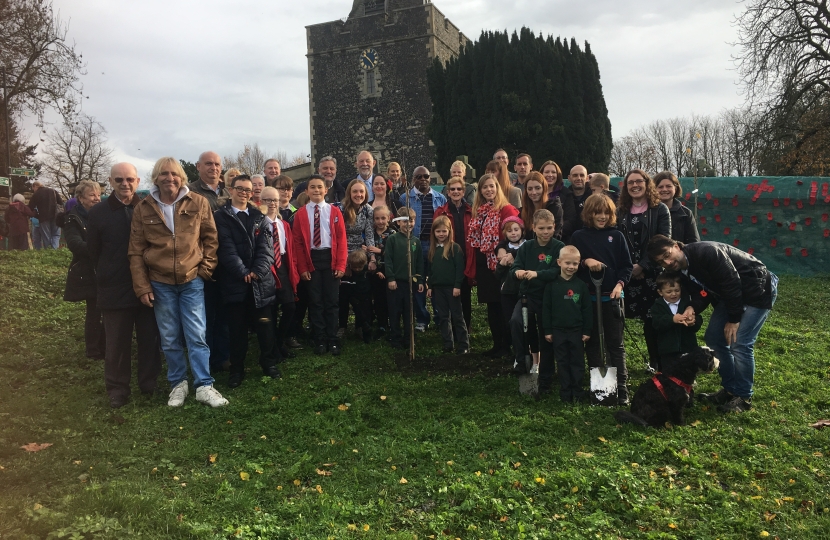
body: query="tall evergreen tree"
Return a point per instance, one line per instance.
(523, 93)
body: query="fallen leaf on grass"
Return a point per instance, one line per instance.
(366, 527)
(540, 480)
(342, 407)
(584, 454)
(37, 506)
(403, 480)
(763, 534)
(244, 476)
(696, 423)
(602, 439)
(383, 398)
(318, 488)
(296, 482)
(351, 527)
(684, 452)
(769, 516)
(574, 489)
(212, 458)
(503, 519)
(35, 447)
(672, 526)
(820, 424)
(321, 472)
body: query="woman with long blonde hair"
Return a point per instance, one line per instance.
(490, 209)
(513, 194)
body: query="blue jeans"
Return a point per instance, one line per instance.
(50, 234)
(180, 311)
(737, 362)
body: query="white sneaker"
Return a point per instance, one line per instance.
(535, 369)
(178, 394)
(420, 327)
(210, 396)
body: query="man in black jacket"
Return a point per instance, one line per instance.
(45, 203)
(742, 291)
(211, 186)
(246, 255)
(108, 238)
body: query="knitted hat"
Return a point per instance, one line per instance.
(513, 219)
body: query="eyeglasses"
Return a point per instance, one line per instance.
(129, 180)
(270, 201)
(636, 182)
(420, 177)
(240, 189)
(455, 189)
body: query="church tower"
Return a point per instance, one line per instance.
(367, 82)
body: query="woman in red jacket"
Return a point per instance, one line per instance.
(460, 214)
(490, 209)
(17, 217)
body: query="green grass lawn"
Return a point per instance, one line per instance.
(358, 446)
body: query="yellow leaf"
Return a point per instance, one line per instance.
(366, 527)
(245, 476)
(584, 454)
(322, 472)
(756, 497)
(342, 407)
(763, 534)
(688, 488)
(635, 465)
(383, 398)
(792, 481)
(478, 473)
(37, 506)
(176, 478)
(263, 437)
(296, 482)
(273, 398)
(788, 499)
(279, 488)
(574, 489)
(78, 462)
(404, 480)
(213, 457)
(517, 464)
(394, 468)
(540, 480)
(449, 462)
(503, 519)
(773, 404)
(351, 527)
(696, 423)
(602, 439)
(318, 488)
(258, 471)
(672, 526)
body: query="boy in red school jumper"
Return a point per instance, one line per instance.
(320, 253)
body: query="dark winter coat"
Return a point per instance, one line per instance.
(17, 217)
(571, 212)
(658, 221)
(214, 199)
(80, 281)
(242, 251)
(683, 226)
(673, 338)
(108, 240)
(45, 203)
(729, 275)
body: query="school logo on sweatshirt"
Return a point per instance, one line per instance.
(572, 296)
(545, 258)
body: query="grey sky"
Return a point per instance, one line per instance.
(178, 77)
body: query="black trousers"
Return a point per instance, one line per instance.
(399, 306)
(450, 318)
(240, 316)
(467, 303)
(361, 303)
(323, 298)
(119, 325)
(300, 309)
(614, 348)
(281, 324)
(547, 369)
(650, 335)
(380, 305)
(498, 326)
(94, 334)
(569, 351)
(508, 304)
(216, 329)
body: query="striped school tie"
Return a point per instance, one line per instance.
(318, 240)
(277, 256)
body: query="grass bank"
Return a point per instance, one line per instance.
(359, 447)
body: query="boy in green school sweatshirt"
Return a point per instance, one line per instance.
(535, 266)
(567, 318)
(397, 276)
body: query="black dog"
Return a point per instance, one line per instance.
(663, 398)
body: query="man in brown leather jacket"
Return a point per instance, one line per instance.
(173, 243)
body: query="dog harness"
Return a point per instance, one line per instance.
(675, 380)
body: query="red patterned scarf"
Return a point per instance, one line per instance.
(485, 232)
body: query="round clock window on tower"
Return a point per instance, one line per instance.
(368, 59)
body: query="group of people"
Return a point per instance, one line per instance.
(194, 267)
(44, 212)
